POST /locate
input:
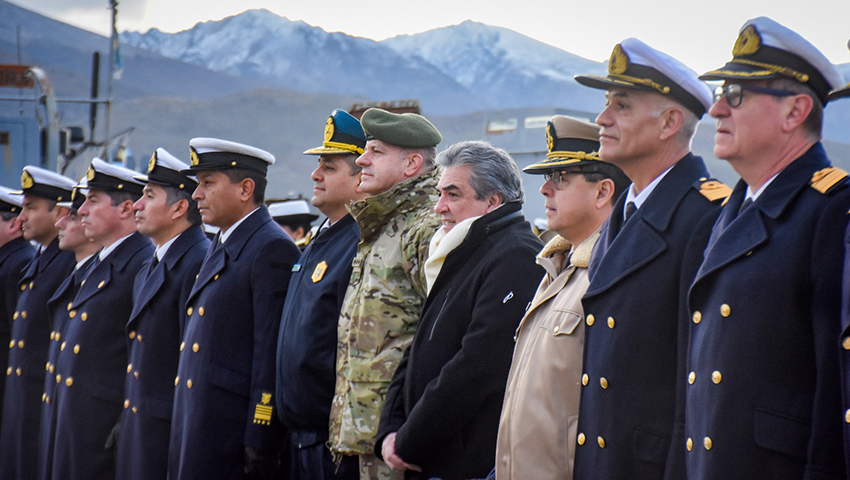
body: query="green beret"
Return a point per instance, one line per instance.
(407, 130)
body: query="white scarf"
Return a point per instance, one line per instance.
(442, 243)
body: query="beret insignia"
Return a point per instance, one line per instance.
(748, 42)
(618, 62)
(26, 180)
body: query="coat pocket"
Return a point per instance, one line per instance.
(782, 433)
(229, 380)
(561, 322)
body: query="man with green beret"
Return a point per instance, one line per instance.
(384, 298)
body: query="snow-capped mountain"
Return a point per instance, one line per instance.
(451, 69)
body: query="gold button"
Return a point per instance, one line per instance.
(182, 344)
(18, 371)
(846, 343)
(716, 377)
(15, 316)
(725, 310)
(69, 381)
(847, 416)
(690, 444)
(62, 347)
(215, 277)
(12, 343)
(70, 304)
(584, 379)
(101, 284)
(72, 313)
(127, 403)
(136, 374)
(47, 366)
(24, 314)
(139, 337)
(692, 377)
(58, 378)
(581, 439)
(189, 383)
(129, 368)
(132, 335)
(32, 284)
(44, 397)
(77, 348)
(176, 380)
(84, 316)
(52, 335)
(603, 382)
(196, 347)
(23, 287)
(706, 442)
(201, 311)
(134, 409)
(601, 442)
(610, 322)
(556, 329)
(590, 320)
(52, 368)
(9, 371)
(189, 311)
(58, 336)
(20, 344)
(697, 317)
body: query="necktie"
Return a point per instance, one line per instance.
(631, 208)
(744, 205)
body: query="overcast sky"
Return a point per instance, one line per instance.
(700, 34)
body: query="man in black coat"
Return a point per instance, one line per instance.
(72, 238)
(224, 425)
(167, 214)
(306, 347)
(92, 357)
(42, 189)
(441, 416)
(763, 394)
(15, 253)
(630, 421)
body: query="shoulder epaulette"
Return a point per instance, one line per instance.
(825, 179)
(713, 190)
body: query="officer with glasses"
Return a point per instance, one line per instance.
(763, 398)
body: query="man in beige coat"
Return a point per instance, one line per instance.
(537, 429)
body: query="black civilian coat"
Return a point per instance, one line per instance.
(223, 400)
(27, 357)
(158, 317)
(446, 396)
(636, 336)
(763, 395)
(91, 366)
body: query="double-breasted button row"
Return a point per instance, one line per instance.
(191, 310)
(603, 382)
(22, 314)
(725, 311)
(591, 319)
(716, 377)
(581, 439)
(706, 443)
(19, 343)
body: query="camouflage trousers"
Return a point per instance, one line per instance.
(371, 468)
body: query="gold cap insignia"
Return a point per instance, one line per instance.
(329, 129)
(550, 140)
(618, 62)
(26, 180)
(748, 42)
(90, 174)
(152, 163)
(194, 155)
(319, 272)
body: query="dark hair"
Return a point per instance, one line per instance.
(236, 175)
(599, 171)
(118, 198)
(174, 195)
(6, 216)
(304, 225)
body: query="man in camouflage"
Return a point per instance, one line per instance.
(387, 288)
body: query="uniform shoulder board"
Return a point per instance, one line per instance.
(825, 179)
(713, 190)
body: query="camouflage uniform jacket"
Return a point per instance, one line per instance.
(381, 307)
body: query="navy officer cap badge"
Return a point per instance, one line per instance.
(215, 154)
(78, 196)
(343, 135)
(765, 50)
(569, 141)
(111, 178)
(165, 169)
(10, 201)
(45, 184)
(635, 65)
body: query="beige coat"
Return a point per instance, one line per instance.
(537, 430)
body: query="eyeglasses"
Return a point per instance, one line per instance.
(557, 176)
(734, 93)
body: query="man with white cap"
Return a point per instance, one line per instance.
(306, 348)
(92, 360)
(15, 253)
(42, 189)
(764, 394)
(642, 265)
(224, 424)
(537, 430)
(72, 238)
(167, 214)
(294, 217)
